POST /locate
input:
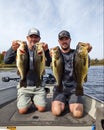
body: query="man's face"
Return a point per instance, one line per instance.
(65, 43)
(33, 39)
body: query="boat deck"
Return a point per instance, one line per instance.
(9, 116)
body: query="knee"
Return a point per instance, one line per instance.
(56, 111)
(57, 108)
(76, 110)
(77, 114)
(41, 109)
(23, 111)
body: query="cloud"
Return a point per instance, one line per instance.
(84, 20)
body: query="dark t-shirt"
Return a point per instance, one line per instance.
(68, 75)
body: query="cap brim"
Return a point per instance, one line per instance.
(33, 34)
(64, 36)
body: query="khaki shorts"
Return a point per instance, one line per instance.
(24, 96)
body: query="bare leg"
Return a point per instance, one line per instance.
(76, 109)
(57, 107)
(23, 110)
(40, 108)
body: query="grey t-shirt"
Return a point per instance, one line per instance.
(68, 75)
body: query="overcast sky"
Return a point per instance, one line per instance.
(82, 18)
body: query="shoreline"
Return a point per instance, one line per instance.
(6, 68)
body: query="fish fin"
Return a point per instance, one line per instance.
(79, 91)
(85, 80)
(18, 73)
(84, 61)
(59, 88)
(38, 83)
(41, 58)
(51, 65)
(23, 83)
(47, 90)
(45, 59)
(55, 63)
(44, 72)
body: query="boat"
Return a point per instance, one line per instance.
(9, 116)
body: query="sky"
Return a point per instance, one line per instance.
(82, 18)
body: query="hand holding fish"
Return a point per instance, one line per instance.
(89, 47)
(45, 46)
(15, 45)
(51, 52)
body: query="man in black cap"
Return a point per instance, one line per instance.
(24, 94)
(68, 95)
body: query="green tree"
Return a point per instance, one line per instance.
(1, 58)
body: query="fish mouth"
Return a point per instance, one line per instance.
(22, 51)
(55, 48)
(39, 52)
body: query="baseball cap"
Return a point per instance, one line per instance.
(33, 31)
(64, 33)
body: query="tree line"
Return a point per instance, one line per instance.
(92, 62)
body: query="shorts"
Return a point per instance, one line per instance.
(67, 96)
(24, 96)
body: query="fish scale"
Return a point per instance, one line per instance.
(22, 62)
(39, 63)
(57, 66)
(81, 63)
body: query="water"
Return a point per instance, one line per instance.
(95, 82)
(8, 73)
(94, 86)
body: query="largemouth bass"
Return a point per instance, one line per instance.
(39, 63)
(81, 63)
(57, 66)
(22, 62)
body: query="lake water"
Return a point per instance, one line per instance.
(95, 82)
(94, 86)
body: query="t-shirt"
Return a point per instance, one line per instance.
(68, 75)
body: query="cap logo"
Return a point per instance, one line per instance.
(34, 31)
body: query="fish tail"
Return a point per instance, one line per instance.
(79, 90)
(23, 83)
(60, 87)
(39, 83)
(47, 90)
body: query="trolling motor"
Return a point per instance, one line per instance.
(7, 79)
(49, 79)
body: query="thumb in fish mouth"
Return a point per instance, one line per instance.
(89, 47)
(39, 52)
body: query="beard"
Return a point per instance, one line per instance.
(65, 47)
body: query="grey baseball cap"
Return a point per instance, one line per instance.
(64, 33)
(33, 31)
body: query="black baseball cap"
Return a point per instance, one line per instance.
(64, 33)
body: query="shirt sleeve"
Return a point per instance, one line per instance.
(10, 56)
(48, 58)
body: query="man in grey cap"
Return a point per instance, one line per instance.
(60, 98)
(24, 94)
